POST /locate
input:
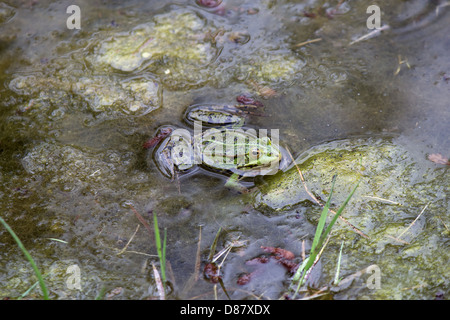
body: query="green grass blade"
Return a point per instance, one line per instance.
(159, 248)
(319, 237)
(212, 251)
(23, 295)
(28, 256)
(323, 218)
(338, 213)
(299, 271)
(101, 294)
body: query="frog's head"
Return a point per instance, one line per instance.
(262, 155)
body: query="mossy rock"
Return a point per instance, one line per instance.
(400, 205)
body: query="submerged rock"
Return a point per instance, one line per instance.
(6, 12)
(170, 37)
(386, 170)
(395, 187)
(69, 169)
(187, 50)
(271, 68)
(174, 46)
(135, 96)
(102, 93)
(123, 73)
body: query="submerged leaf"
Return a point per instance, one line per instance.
(439, 159)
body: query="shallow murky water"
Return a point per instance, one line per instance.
(78, 105)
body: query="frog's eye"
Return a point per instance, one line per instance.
(255, 152)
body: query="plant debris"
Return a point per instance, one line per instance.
(282, 257)
(439, 159)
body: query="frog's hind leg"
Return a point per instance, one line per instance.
(234, 184)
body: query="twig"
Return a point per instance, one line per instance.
(412, 223)
(303, 250)
(221, 252)
(142, 253)
(171, 274)
(381, 199)
(141, 219)
(226, 255)
(441, 6)
(443, 223)
(197, 259)
(301, 44)
(400, 62)
(344, 283)
(371, 34)
(159, 284)
(397, 239)
(195, 276)
(129, 241)
(422, 285)
(322, 205)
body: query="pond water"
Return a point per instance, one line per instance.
(77, 106)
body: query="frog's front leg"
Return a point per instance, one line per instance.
(233, 183)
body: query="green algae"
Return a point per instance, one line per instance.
(189, 44)
(102, 94)
(171, 37)
(395, 188)
(271, 68)
(6, 13)
(70, 168)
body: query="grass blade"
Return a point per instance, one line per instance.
(213, 246)
(101, 294)
(319, 237)
(28, 256)
(159, 248)
(323, 218)
(338, 213)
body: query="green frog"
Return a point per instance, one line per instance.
(224, 147)
(215, 115)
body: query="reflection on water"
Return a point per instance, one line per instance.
(77, 106)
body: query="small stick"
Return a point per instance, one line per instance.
(400, 62)
(195, 276)
(301, 44)
(370, 34)
(142, 220)
(381, 199)
(129, 241)
(441, 6)
(443, 223)
(142, 253)
(159, 284)
(303, 250)
(412, 223)
(197, 259)
(397, 239)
